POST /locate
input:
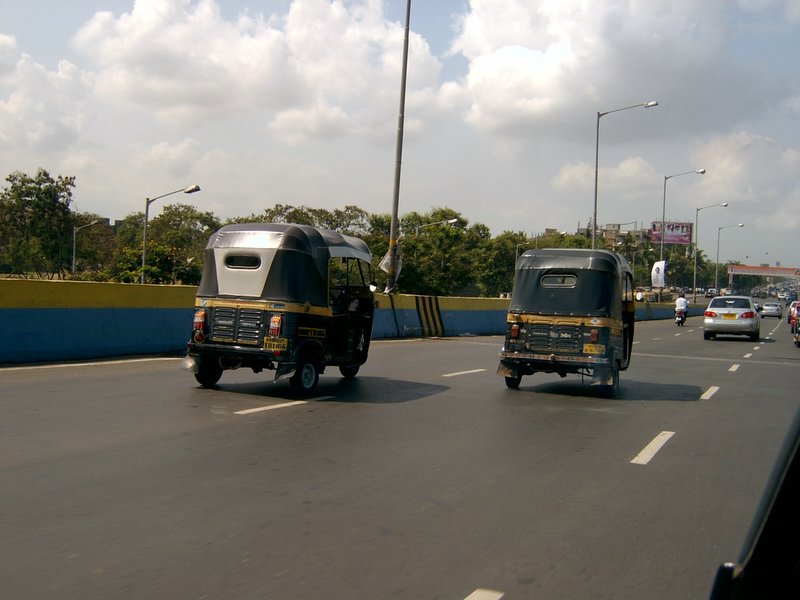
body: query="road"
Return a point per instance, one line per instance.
(422, 478)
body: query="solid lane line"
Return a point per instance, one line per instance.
(710, 392)
(464, 372)
(649, 451)
(250, 411)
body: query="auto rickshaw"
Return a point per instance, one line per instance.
(572, 311)
(290, 298)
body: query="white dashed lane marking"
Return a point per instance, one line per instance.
(649, 451)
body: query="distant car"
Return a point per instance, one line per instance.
(711, 292)
(789, 309)
(731, 315)
(771, 309)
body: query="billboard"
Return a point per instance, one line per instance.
(676, 233)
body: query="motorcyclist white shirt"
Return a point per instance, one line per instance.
(681, 304)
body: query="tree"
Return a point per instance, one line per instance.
(36, 224)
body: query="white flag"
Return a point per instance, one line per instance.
(658, 275)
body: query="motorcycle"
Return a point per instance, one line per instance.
(680, 317)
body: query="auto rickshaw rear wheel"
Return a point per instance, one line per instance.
(349, 371)
(306, 375)
(208, 372)
(513, 382)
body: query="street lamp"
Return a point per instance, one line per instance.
(597, 159)
(697, 241)
(445, 222)
(147, 202)
(75, 231)
(716, 272)
(664, 203)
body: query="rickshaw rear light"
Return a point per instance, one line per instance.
(594, 335)
(199, 323)
(515, 331)
(275, 325)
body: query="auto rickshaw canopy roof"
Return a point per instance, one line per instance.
(569, 281)
(289, 261)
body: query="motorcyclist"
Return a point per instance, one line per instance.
(681, 306)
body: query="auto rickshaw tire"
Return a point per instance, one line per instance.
(349, 371)
(513, 382)
(208, 373)
(306, 375)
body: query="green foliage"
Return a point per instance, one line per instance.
(441, 252)
(36, 224)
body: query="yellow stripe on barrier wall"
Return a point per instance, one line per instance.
(26, 293)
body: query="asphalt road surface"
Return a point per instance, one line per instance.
(423, 478)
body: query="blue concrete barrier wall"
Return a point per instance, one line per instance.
(70, 320)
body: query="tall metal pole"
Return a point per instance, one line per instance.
(147, 202)
(697, 241)
(597, 159)
(391, 279)
(664, 203)
(75, 231)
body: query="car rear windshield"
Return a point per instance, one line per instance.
(730, 303)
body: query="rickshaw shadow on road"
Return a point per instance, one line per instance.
(362, 389)
(629, 390)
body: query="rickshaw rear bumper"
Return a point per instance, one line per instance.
(513, 364)
(235, 357)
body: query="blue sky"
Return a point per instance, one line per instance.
(295, 102)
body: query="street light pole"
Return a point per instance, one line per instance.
(716, 272)
(75, 231)
(597, 158)
(664, 203)
(147, 202)
(697, 241)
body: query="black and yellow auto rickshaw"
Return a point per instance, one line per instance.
(571, 311)
(290, 298)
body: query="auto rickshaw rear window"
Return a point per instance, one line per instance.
(242, 261)
(553, 280)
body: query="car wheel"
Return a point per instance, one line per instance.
(513, 382)
(755, 336)
(706, 335)
(208, 373)
(348, 371)
(306, 376)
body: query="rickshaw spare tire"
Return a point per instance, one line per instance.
(208, 372)
(513, 382)
(349, 371)
(306, 375)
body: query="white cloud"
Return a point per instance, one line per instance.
(300, 106)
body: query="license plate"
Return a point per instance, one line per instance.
(729, 316)
(276, 344)
(594, 349)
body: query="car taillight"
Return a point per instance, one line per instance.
(515, 331)
(199, 323)
(710, 313)
(748, 314)
(594, 335)
(275, 325)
